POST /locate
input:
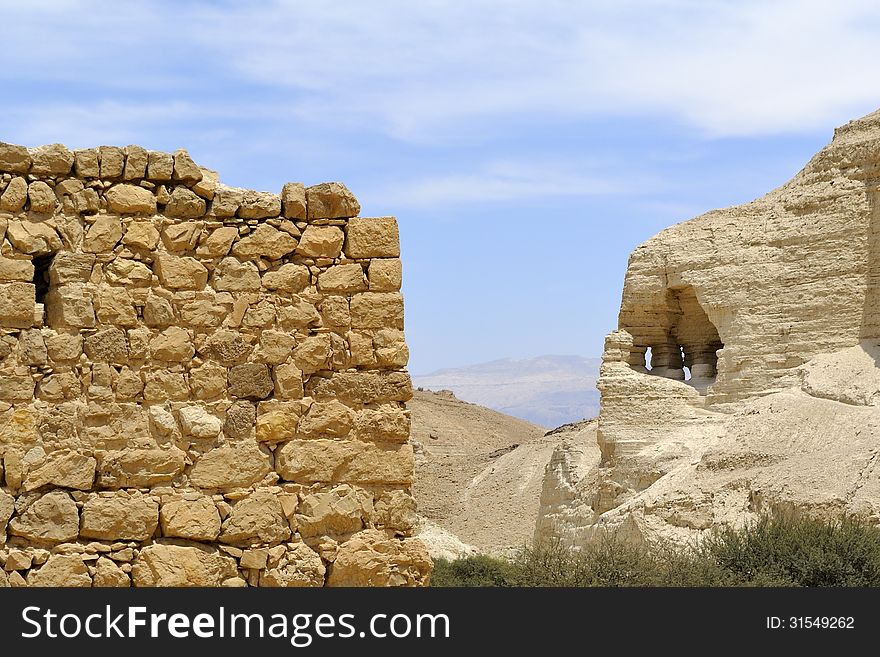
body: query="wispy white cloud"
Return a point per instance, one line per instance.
(508, 181)
(435, 70)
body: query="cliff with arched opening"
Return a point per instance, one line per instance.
(762, 325)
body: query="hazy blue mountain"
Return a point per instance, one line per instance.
(547, 390)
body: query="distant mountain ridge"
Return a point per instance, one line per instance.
(546, 390)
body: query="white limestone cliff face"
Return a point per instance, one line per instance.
(762, 325)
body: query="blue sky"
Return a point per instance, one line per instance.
(526, 147)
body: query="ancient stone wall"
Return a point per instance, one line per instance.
(199, 385)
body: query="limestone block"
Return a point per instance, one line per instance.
(61, 570)
(361, 387)
(293, 199)
(103, 235)
(15, 195)
(298, 314)
(185, 170)
(322, 460)
(180, 273)
(139, 468)
(288, 381)
(279, 424)
(289, 278)
(377, 310)
(230, 466)
(185, 204)
(274, 347)
(16, 387)
(51, 160)
(41, 197)
(259, 316)
(330, 418)
(59, 386)
(335, 311)
(141, 235)
(372, 237)
(250, 381)
(112, 162)
(177, 565)
(173, 344)
(391, 349)
(202, 314)
(331, 201)
(119, 516)
(129, 385)
(218, 243)
(343, 510)
(124, 271)
(321, 242)
(259, 205)
(232, 275)
(226, 201)
(18, 560)
(240, 420)
(207, 381)
(257, 519)
(136, 160)
(385, 274)
(313, 353)
(159, 166)
(165, 386)
(255, 558)
(7, 506)
(265, 242)
(207, 186)
(14, 159)
(194, 517)
(372, 558)
(182, 236)
(17, 305)
(158, 311)
(107, 345)
(195, 421)
(342, 278)
(68, 307)
(51, 518)
(361, 350)
(395, 510)
(109, 575)
(384, 423)
(131, 199)
(71, 268)
(36, 238)
(64, 346)
(63, 468)
(86, 163)
(115, 307)
(299, 566)
(226, 347)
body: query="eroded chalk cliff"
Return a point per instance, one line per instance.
(744, 371)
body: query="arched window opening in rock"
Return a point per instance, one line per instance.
(41, 277)
(680, 342)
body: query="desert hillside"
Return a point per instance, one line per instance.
(478, 473)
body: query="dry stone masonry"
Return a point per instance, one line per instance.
(199, 385)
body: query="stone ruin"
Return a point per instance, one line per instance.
(199, 385)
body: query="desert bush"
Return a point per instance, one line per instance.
(777, 550)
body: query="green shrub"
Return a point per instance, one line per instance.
(777, 550)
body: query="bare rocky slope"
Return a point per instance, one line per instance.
(479, 475)
(762, 327)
